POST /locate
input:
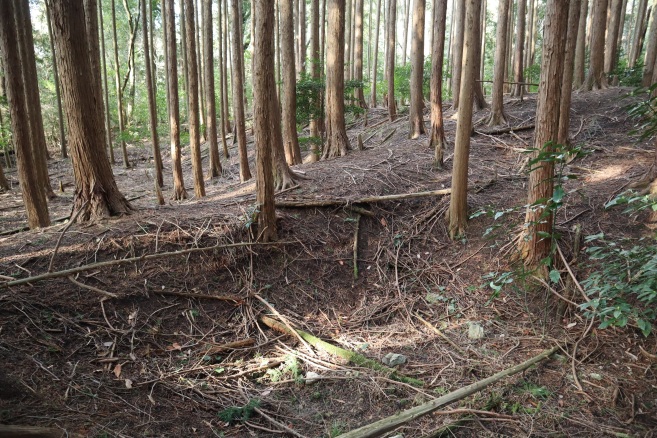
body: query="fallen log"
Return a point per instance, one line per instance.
(336, 202)
(13, 431)
(506, 130)
(384, 425)
(355, 358)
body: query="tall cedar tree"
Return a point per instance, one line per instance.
(238, 90)
(289, 98)
(55, 73)
(108, 123)
(569, 62)
(458, 205)
(37, 134)
(210, 103)
(222, 91)
(33, 195)
(416, 117)
(119, 90)
(96, 193)
(535, 246)
(457, 51)
(358, 52)
(596, 78)
(316, 72)
(579, 73)
(91, 13)
(437, 137)
(152, 109)
(637, 35)
(497, 116)
(376, 55)
(224, 63)
(390, 58)
(651, 51)
(337, 142)
(518, 74)
(611, 43)
(179, 191)
(266, 117)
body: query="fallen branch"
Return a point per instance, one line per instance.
(92, 266)
(356, 247)
(13, 431)
(366, 200)
(388, 136)
(384, 425)
(91, 288)
(231, 345)
(507, 129)
(235, 299)
(442, 335)
(355, 358)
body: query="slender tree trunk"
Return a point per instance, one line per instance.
(637, 36)
(225, 62)
(183, 52)
(478, 90)
(458, 206)
(596, 78)
(529, 37)
(211, 106)
(358, 52)
(518, 74)
(152, 110)
(198, 36)
(535, 246)
(651, 51)
(457, 52)
(352, 43)
(569, 63)
(37, 137)
(390, 58)
(103, 57)
(437, 137)
(96, 193)
(337, 142)
(171, 54)
(611, 46)
(4, 184)
(222, 90)
(621, 27)
(316, 66)
(119, 91)
(417, 69)
(406, 22)
(579, 73)
(60, 116)
(91, 15)
(289, 98)
(302, 35)
(238, 92)
(376, 55)
(322, 43)
(348, 30)
(266, 117)
(497, 116)
(34, 197)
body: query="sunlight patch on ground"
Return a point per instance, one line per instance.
(609, 172)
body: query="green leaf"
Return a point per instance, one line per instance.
(558, 194)
(555, 276)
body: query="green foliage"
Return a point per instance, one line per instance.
(289, 369)
(628, 77)
(309, 103)
(235, 414)
(644, 112)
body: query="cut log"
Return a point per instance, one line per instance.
(336, 202)
(11, 431)
(506, 130)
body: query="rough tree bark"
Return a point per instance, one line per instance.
(611, 45)
(534, 247)
(596, 78)
(497, 116)
(179, 191)
(210, 103)
(417, 69)
(289, 98)
(637, 35)
(518, 74)
(337, 142)
(103, 57)
(60, 115)
(222, 91)
(34, 197)
(375, 54)
(266, 117)
(119, 90)
(437, 137)
(651, 50)
(225, 106)
(316, 72)
(238, 91)
(457, 51)
(458, 205)
(579, 73)
(569, 62)
(358, 52)
(390, 58)
(96, 193)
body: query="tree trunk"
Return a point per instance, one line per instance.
(4, 184)
(529, 36)
(651, 51)
(596, 79)
(238, 92)
(91, 15)
(390, 58)
(192, 100)
(458, 205)
(437, 137)
(457, 52)
(497, 116)
(358, 52)
(302, 36)
(579, 72)
(222, 91)
(406, 24)
(289, 98)
(611, 45)
(119, 90)
(518, 73)
(637, 36)
(96, 193)
(375, 54)
(337, 142)
(417, 70)
(60, 116)
(225, 106)
(103, 57)
(316, 71)
(535, 247)
(352, 42)
(211, 105)
(569, 62)
(266, 117)
(322, 44)
(37, 135)
(152, 110)
(478, 90)
(198, 36)
(34, 196)
(171, 54)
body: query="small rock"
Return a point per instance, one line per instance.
(475, 331)
(311, 377)
(394, 359)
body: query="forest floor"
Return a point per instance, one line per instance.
(154, 359)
